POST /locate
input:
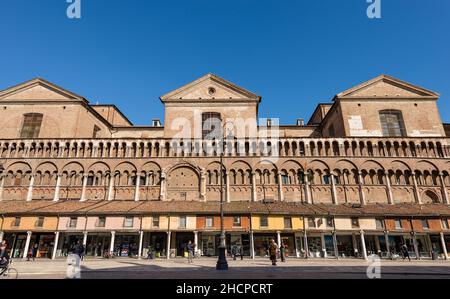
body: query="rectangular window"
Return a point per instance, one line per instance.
(101, 222)
(236, 221)
(392, 123)
(398, 224)
(355, 223)
(425, 224)
(73, 222)
(263, 221)
(155, 221)
(326, 179)
(16, 222)
(285, 179)
(445, 223)
(128, 222)
(379, 223)
(312, 222)
(288, 223)
(40, 222)
(31, 125)
(330, 223)
(90, 180)
(211, 126)
(183, 221)
(209, 222)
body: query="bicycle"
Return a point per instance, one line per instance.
(9, 272)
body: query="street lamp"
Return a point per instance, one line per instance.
(222, 263)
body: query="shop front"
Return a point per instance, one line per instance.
(375, 244)
(155, 242)
(67, 243)
(98, 244)
(314, 246)
(289, 242)
(347, 246)
(181, 240)
(262, 242)
(16, 244)
(126, 245)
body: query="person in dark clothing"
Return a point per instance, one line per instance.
(190, 249)
(283, 252)
(405, 253)
(237, 251)
(79, 250)
(273, 250)
(4, 256)
(32, 253)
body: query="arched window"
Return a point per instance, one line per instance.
(392, 123)
(211, 125)
(31, 125)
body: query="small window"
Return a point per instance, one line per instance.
(96, 131)
(40, 222)
(101, 222)
(73, 222)
(128, 222)
(236, 221)
(90, 180)
(326, 179)
(285, 179)
(263, 221)
(398, 224)
(183, 221)
(312, 222)
(31, 125)
(155, 221)
(379, 223)
(287, 223)
(209, 222)
(355, 223)
(16, 222)
(445, 223)
(330, 222)
(425, 224)
(392, 123)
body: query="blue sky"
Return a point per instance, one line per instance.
(293, 53)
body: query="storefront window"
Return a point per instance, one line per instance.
(314, 246)
(126, 245)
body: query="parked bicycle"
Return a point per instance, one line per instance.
(9, 272)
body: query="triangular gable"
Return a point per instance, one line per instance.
(38, 90)
(387, 86)
(210, 87)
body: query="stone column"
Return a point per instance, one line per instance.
(363, 245)
(55, 248)
(227, 186)
(252, 245)
(388, 249)
(196, 240)
(416, 190)
(162, 191)
(336, 251)
(279, 238)
(113, 238)
(85, 235)
(444, 247)
(333, 190)
(83, 191)
(203, 185)
(137, 191)
(1, 236)
(30, 188)
(444, 189)
(307, 189)
(324, 249)
(362, 196)
(111, 188)
(305, 244)
(141, 240)
(27, 245)
(168, 245)
(254, 194)
(280, 188)
(388, 189)
(2, 185)
(416, 248)
(58, 187)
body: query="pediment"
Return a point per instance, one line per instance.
(38, 90)
(210, 87)
(387, 87)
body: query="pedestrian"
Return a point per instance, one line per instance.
(4, 257)
(405, 253)
(273, 250)
(190, 249)
(150, 253)
(234, 250)
(34, 251)
(241, 251)
(283, 252)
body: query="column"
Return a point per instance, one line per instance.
(27, 245)
(111, 246)
(279, 238)
(307, 189)
(254, 195)
(297, 246)
(333, 190)
(162, 191)
(416, 248)
(336, 251)
(324, 249)
(280, 188)
(30, 189)
(111, 188)
(444, 247)
(252, 245)
(227, 186)
(388, 189)
(137, 191)
(305, 243)
(388, 249)
(416, 190)
(362, 197)
(1, 236)
(58, 187)
(141, 240)
(203, 185)
(85, 235)
(55, 248)
(2, 183)
(83, 191)
(168, 245)
(363, 245)
(444, 189)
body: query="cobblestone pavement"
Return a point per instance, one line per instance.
(247, 269)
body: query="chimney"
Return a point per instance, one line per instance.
(300, 122)
(156, 122)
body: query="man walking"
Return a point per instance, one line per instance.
(283, 252)
(190, 249)
(273, 250)
(405, 253)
